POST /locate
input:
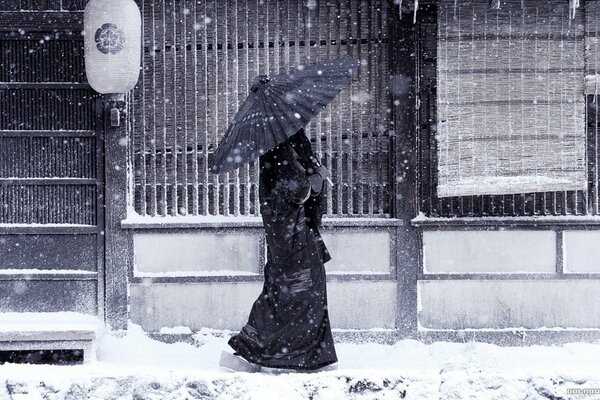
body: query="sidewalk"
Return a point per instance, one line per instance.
(136, 367)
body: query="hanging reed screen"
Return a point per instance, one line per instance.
(198, 61)
(510, 98)
(584, 201)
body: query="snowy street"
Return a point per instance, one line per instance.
(134, 366)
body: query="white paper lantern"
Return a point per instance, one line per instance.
(112, 44)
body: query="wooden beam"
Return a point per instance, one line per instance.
(118, 242)
(407, 238)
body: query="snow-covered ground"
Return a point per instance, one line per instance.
(133, 366)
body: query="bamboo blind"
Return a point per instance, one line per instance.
(592, 47)
(198, 62)
(510, 98)
(592, 70)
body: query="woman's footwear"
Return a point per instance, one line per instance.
(237, 363)
(328, 367)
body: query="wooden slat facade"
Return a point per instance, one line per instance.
(198, 60)
(51, 171)
(42, 5)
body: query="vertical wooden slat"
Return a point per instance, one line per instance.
(371, 80)
(277, 38)
(576, 197)
(265, 13)
(255, 165)
(360, 187)
(245, 76)
(561, 75)
(307, 54)
(328, 122)
(350, 108)
(298, 23)
(215, 23)
(380, 106)
(153, 147)
(286, 54)
(337, 103)
(205, 144)
(175, 127)
(225, 74)
(184, 91)
(593, 155)
(195, 168)
(163, 68)
(593, 59)
(233, 39)
(317, 58)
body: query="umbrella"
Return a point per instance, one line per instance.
(278, 107)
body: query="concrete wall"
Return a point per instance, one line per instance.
(357, 251)
(166, 254)
(478, 282)
(498, 304)
(484, 279)
(202, 278)
(489, 251)
(225, 305)
(581, 251)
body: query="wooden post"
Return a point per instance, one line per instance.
(118, 242)
(408, 243)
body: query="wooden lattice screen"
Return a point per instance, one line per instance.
(199, 58)
(48, 141)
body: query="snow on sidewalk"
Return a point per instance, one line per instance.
(133, 366)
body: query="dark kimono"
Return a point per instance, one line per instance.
(288, 326)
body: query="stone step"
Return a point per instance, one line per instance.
(50, 331)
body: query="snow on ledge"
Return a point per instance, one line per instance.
(175, 330)
(421, 328)
(137, 221)
(35, 271)
(422, 220)
(49, 225)
(185, 274)
(49, 321)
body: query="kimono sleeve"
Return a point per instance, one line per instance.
(290, 184)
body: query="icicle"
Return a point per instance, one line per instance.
(400, 8)
(416, 8)
(595, 98)
(455, 8)
(399, 4)
(573, 6)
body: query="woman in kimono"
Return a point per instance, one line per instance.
(288, 326)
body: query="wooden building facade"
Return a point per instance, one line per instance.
(124, 221)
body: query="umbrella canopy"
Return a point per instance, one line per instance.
(278, 107)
